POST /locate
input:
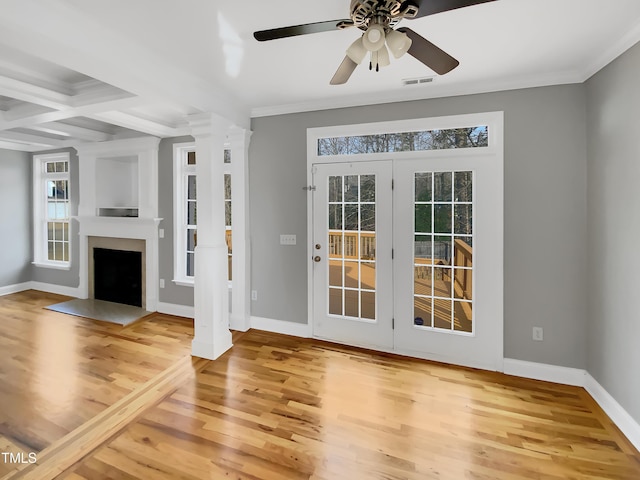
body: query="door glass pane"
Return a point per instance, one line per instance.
(442, 313)
(422, 311)
(335, 189)
(368, 300)
(463, 188)
(442, 186)
(462, 223)
(335, 273)
(351, 231)
(423, 249)
(443, 263)
(335, 301)
(462, 321)
(368, 188)
(351, 303)
(423, 187)
(351, 184)
(423, 219)
(368, 275)
(442, 219)
(351, 274)
(335, 217)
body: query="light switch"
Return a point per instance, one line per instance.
(287, 239)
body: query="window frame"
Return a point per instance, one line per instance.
(181, 171)
(40, 215)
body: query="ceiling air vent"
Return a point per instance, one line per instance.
(416, 81)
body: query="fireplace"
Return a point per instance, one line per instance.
(118, 211)
(117, 276)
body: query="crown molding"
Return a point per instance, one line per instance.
(624, 43)
(423, 92)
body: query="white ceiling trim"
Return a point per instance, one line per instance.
(626, 41)
(422, 92)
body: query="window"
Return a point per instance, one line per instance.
(52, 240)
(441, 139)
(185, 212)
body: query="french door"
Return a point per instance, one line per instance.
(353, 284)
(415, 268)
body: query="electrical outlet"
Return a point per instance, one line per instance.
(538, 334)
(161, 233)
(162, 283)
(254, 295)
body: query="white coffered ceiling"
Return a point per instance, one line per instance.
(75, 71)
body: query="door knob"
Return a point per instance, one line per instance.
(317, 258)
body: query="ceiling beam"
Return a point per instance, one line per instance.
(59, 128)
(34, 140)
(28, 92)
(133, 122)
(27, 116)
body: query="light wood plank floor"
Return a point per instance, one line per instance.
(278, 407)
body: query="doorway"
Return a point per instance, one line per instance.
(406, 253)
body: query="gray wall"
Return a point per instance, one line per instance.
(16, 227)
(71, 277)
(614, 228)
(545, 212)
(171, 293)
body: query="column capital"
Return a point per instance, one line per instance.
(204, 125)
(239, 134)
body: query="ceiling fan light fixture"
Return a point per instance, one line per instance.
(398, 42)
(374, 38)
(357, 51)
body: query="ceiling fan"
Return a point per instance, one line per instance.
(377, 18)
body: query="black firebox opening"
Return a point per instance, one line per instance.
(118, 276)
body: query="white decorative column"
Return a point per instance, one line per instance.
(211, 297)
(238, 139)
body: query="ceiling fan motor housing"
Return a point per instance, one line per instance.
(386, 12)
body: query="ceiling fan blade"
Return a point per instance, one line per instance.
(431, 7)
(432, 56)
(305, 29)
(344, 71)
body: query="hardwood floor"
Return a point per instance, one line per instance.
(58, 371)
(278, 407)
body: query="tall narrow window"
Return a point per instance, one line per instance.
(51, 210)
(185, 212)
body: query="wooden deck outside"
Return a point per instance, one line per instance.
(277, 407)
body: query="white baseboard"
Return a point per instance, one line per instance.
(186, 311)
(543, 371)
(19, 287)
(280, 326)
(579, 378)
(625, 422)
(57, 289)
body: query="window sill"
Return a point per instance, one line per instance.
(54, 266)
